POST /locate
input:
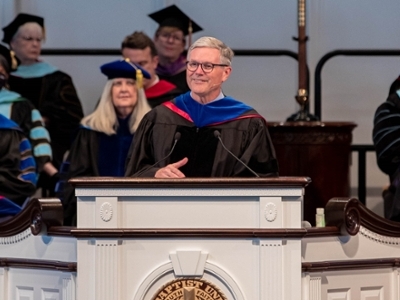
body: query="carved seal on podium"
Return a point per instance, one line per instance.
(189, 289)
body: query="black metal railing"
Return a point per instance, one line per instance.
(360, 149)
(362, 169)
(329, 55)
(100, 52)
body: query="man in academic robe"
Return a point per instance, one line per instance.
(140, 49)
(203, 133)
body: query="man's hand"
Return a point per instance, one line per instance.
(172, 170)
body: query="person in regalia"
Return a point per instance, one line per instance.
(203, 132)
(140, 49)
(21, 111)
(103, 141)
(386, 139)
(50, 90)
(170, 39)
(17, 169)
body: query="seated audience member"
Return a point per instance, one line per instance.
(50, 90)
(17, 168)
(103, 141)
(170, 41)
(189, 136)
(22, 112)
(140, 49)
(386, 138)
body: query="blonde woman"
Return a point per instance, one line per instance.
(103, 141)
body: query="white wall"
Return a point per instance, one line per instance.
(352, 87)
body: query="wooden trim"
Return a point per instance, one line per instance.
(188, 233)
(38, 215)
(67, 231)
(64, 231)
(322, 231)
(231, 183)
(38, 264)
(314, 124)
(349, 215)
(342, 265)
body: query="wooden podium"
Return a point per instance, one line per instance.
(319, 150)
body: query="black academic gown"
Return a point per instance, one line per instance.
(22, 114)
(88, 157)
(14, 182)
(178, 79)
(246, 138)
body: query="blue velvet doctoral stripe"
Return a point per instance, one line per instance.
(8, 208)
(113, 150)
(42, 150)
(36, 116)
(222, 110)
(39, 133)
(27, 165)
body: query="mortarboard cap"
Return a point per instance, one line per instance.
(10, 58)
(172, 16)
(124, 69)
(20, 19)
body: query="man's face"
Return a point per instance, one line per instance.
(143, 58)
(170, 44)
(202, 84)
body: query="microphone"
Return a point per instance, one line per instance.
(217, 134)
(177, 137)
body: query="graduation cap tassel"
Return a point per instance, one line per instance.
(190, 30)
(139, 78)
(14, 62)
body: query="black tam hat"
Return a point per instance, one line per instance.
(21, 19)
(172, 16)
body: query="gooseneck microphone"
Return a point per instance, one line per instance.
(217, 134)
(177, 137)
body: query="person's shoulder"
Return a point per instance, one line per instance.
(57, 75)
(393, 100)
(86, 134)
(394, 86)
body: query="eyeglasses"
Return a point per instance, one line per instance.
(206, 67)
(166, 36)
(30, 39)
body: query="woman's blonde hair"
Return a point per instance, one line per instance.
(104, 118)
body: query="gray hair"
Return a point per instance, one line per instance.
(33, 26)
(104, 118)
(226, 53)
